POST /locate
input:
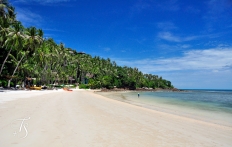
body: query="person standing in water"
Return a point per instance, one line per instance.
(138, 94)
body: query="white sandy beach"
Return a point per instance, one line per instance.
(84, 119)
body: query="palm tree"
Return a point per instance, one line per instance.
(4, 8)
(32, 40)
(47, 58)
(11, 16)
(17, 62)
(4, 26)
(7, 18)
(14, 40)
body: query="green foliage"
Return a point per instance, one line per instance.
(94, 84)
(3, 83)
(25, 53)
(84, 86)
(107, 81)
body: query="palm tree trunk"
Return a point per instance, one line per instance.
(15, 70)
(5, 61)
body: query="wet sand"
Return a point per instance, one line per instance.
(83, 118)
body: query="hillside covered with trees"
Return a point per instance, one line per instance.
(26, 53)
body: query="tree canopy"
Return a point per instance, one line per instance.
(25, 53)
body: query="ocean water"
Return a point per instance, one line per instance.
(214, 106)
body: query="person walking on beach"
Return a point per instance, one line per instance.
(138, 94)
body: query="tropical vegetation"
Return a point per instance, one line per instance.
(26, 53)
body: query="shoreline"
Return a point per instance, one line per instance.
(218, 118)
(141, 89)
(163, 112)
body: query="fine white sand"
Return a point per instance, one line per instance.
(9, 95)
(82, 118)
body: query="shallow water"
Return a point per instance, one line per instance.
(213, 106)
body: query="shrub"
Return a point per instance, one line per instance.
(3, 83)
(83, 86)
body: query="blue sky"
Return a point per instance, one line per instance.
(186, 42)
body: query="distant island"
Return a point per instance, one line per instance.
(28, 59)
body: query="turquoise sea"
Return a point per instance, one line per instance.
(214, 106)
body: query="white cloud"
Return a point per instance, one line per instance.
(173, 47)
(170, 37)
(29, 18)
(208, 59)
(166, 26)
(185, 46)
(208, 68)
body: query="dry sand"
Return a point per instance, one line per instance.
(84, 119)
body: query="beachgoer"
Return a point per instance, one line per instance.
(138, 94)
